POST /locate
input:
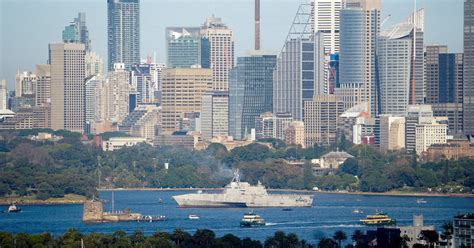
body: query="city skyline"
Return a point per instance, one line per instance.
(20, 52)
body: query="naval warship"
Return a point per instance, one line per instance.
(239, 194)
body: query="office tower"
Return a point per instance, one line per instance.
(43, 85)
(394, 62)
(3, 95)
(250, 92)
(123, 32)
(332, 72)
(141, 81)
(182, 92)
(450, 84)
(325, 19)
(432, 72)
(257, 25)
(392, 133)
(183, 47)
(93, 103)
(77, 31)
(25, 83)
(299, 75)
(221, 51)
(359, 30)
(417, 81)
(415, 115)
(294, 134)
(468, 85)
(321, 120)
(115, 96)
(67, 86)
(214, 114)
(94, 64)
(282, 122)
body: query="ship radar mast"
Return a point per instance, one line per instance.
(236, 178)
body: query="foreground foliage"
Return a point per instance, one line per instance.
(47, 169)
(202, 238)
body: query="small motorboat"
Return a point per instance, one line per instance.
(193, 217)
(149, 218)
(287, 209)
(357, 211)
(13, 209)
(421, 201)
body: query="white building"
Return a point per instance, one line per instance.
(325, 19)
(115, 94)
(120, 142)
(94, 64)
(392, 133)
(3, 95)
(25, 83)
(430, 132)
(413, 232)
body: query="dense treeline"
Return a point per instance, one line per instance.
(68, 166)
(178, 239)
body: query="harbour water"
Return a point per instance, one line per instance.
(330, 212)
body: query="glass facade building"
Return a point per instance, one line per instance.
(123, 32)
(468, 85)
(183, 47)
(250, 92)
(77, 31)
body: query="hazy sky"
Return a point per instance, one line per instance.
(27, 26)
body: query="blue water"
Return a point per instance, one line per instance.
(330, 212)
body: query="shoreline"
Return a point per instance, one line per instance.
(69, 201)
(389, 193)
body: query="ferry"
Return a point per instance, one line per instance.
(13, 209)
(378, 219)
(252, 220)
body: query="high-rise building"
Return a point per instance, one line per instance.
(67, 86)
(77, 32)
(257, 25)
(123, 32)
(43, 85)
(183, 47)
(321, 120)
(415, 115)
(265, 126)
(182, 92)
(220, 40)
(25, 83)
(94, 64)
(93, 94)
(394, 62)
(250, 92)
(141, 80)
(214, 114)
(325, 19)
(115, 95)
(432, 72)
(282, 122)
(359, 30)
(3, 95)
(299, 75)
(468, 85)
(417, 81)
(429, 132)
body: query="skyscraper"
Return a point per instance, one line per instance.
(183, 47)
(3, 95)
(43, 85)
(432, 72)
(141, 80)
(77, 32)
(468, 98)
(182, 91)
(93, 90)
(359, 30)
(214, 115)
(394, 62)
(123, 32)
(115, 94)
(250, 92)
(325, 19)
(67, 86)
(299, 75)
(25, 83)
(221, 51)
(257, 25)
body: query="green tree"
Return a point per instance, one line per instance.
(339, 236)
